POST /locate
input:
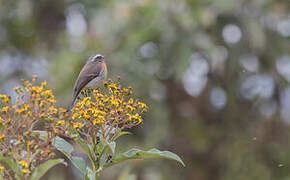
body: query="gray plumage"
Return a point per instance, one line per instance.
(93, 72)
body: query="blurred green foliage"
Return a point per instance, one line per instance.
(214, 72)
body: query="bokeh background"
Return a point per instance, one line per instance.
(215, 74)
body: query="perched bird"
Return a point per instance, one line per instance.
(93, 73)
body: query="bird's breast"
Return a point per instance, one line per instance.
(97, 80)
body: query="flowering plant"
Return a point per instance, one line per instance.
(23, 153)
(31, 129)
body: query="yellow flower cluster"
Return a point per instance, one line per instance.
(33, 107)
(98, 113)
(102, 110)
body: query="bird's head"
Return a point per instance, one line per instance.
(97, 58)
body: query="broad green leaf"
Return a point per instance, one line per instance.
(139, 154)
(62, 145)
(44, 167)
(13, 165)
(67, 149)
(79, 162)
(121, 133)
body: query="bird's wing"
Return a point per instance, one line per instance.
(87, 74)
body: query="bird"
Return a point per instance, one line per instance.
(91, 76)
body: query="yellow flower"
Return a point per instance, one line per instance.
(1, 167)
(16, 89)
(51, 101)
(41, 104)
(29, 143)
(2, 136)
(62, 110)
(138, 117)
(99, 95)
(96, 111)
(43, 84)
(23, 163)
(86, 99)
(3, 96)
(131, 101)
(115, 102)
(77, 125)
(105, 83)
(48, 93)
(20, 138)
(74, 116)
(26, 171)
(101, 118)
(130, 107)
(87, 116)
(26, 107)
(41, 115)
(96, 121)
(116, 92)
(101, 104)
(142, 105)
(82, 112)
(5, 109)
(61, 122)
(125, 90)
(113, 86)
(78, 104)
(53, 109)
(36, 89)
(20, 110)
(130, 116)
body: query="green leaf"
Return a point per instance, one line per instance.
(44, 167)
(67, 149)
(13, 165)
(62, 145)
(121, 133)
(100, 147)
(139, 154)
